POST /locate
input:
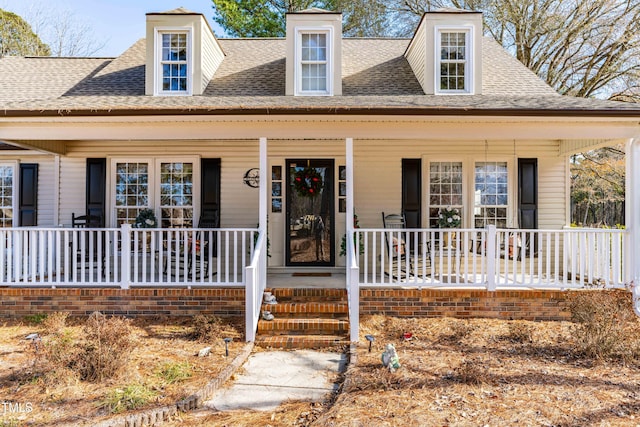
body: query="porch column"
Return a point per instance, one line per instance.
(353, 272)
(262, 213)
(263, 209)
(632, 219)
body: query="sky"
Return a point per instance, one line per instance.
(119, 22)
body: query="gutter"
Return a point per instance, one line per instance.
(336, 111)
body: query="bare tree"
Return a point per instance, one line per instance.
(65, 34)
(581, 48)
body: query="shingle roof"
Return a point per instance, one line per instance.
(251, 79)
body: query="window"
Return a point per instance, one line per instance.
(6, 195)
(132, 191)
(314, 65)
(491, 194)
(445, 188)
(176, 194)
(173, 64)
(167, 187)
(453, 62)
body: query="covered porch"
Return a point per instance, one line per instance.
(479, 258)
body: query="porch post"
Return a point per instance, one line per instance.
(264, 181)
(632, 219)
(125, 250)
(353, 272)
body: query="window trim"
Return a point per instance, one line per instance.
(427, 183)
(14, 189)
(154, 183)
(468, 183)
(157, 60)
(299, 31)
(508, 207)
(469, 64)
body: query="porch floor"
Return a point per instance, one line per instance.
(319, 279)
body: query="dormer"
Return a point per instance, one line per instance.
(446, 52)
(314, 53)
(182, 53)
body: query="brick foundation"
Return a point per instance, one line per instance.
(18, 302)
(527, 305)
(524, 305)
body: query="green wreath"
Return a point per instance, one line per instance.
(307, 182)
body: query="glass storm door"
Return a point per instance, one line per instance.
(310, 213)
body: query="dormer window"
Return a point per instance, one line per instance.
(453, 61)
(313, 50)
(173, 66)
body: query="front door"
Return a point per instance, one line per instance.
(310, 213)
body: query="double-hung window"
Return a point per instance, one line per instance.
(488, 192)
(453, 70)
(445, 189)
(491, 194)
(314, 64)
(165, 186)
(173, 65)
(7, 192)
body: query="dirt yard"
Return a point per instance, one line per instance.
(163, 368)
(475, 372)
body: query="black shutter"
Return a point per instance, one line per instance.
(28, 195)
(210, 193)
(411, 192)
(528, 193)
(96, 184)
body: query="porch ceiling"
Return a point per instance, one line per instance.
(48, 147)
(34, 132)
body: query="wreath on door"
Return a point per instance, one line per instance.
(307, 182)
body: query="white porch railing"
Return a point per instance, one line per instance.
(492, 258)
(256, 275)
(125, 256)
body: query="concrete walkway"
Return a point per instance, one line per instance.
(272, 377)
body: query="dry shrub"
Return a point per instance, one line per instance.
(100, 353)
(210, 328)
(605, 325)
(54, 323)
(460, 329)
(520, 332)
(108, 344)
(472, 371)
(59, 350)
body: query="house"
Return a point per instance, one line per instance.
(226, 140)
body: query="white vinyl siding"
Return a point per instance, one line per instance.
(212, 57)
(239, 202)
(378, 168)
(417, 53)
(378, 175)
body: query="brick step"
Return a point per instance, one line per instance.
(298, 326)
(301, 341)
(336, 310)
(309, 295)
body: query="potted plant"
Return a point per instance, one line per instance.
(146, 219)
(343, 243)
(449, 218)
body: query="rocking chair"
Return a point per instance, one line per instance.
(403, 261)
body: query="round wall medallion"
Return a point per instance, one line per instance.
(252, 177)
